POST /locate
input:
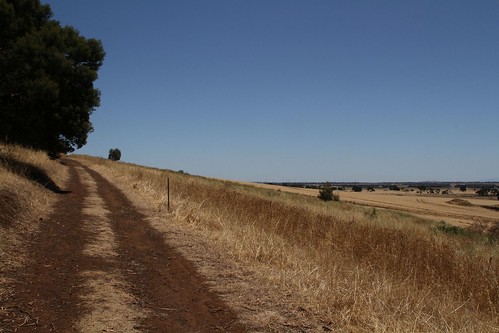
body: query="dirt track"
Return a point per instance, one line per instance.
(97, 266)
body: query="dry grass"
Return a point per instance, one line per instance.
(430, 206)
(102, 242)
(23, 201)
(23, 204)
(357, 269)
(110, 307)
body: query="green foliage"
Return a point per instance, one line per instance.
(326, 193)
(450, 229)
(47, 71)
(372, 214)
(114, 154)
(422, 188)
(484, 191)
(357, 188)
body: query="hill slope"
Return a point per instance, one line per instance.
(283, 262)
(335, 264)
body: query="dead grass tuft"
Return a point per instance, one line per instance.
(10, 204)
(109, 307)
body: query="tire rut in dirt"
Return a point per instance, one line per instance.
(45, 295)
(170, 290)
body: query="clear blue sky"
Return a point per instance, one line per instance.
(267, 90)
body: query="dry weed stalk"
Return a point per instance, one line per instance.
(388, 272)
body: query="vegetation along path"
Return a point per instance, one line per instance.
(97, 266)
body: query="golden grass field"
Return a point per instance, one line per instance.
(431, 206)
(355, 269)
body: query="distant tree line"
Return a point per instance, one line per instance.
(486, 191)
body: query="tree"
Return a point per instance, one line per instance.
(47, 73)
(357, 188)
(484, 191)
(326, 193)
(114, 154)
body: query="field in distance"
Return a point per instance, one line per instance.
(455, 207)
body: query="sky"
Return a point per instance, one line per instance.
(297, 90)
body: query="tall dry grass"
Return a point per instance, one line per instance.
(359, 269)
(23, 199)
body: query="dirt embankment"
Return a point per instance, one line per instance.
(98, 266)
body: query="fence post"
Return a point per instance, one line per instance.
(168, 190)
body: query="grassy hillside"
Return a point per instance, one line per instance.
(27, 184)
(359, 269)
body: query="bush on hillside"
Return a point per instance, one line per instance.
(114, 154)
(326, 193)
(494, 232)
(450, 229)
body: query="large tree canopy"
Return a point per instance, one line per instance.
(46, 79)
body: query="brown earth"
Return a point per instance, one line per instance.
(98, 266)
(460, 202)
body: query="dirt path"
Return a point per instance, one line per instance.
(97, 266)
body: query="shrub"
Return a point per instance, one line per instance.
(326, 193)
(371, 214)
(494, 232)
(114, 154)
(484, 191)
(357, 188)
(450, 229)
